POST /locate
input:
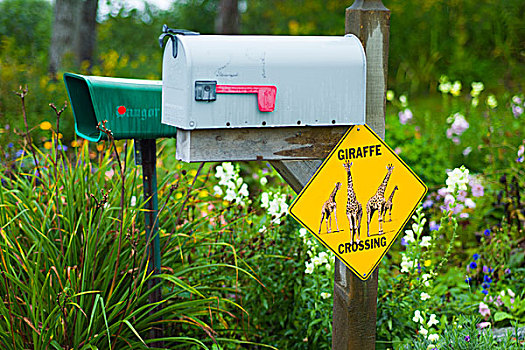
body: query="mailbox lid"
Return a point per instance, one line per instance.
(319, 80)
(132, 107)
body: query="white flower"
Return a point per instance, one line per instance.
(455, 90)
(502, 293)
(469, 203)
(409, 236)
(423, 331)
(417, 317)
(433, 337)
(406, 264)
(477, 87)
(262, 229)
(230, 195)
(265, 200)
(316, 261)
(445, 86)
(492, 102)
(325, 295)
(217, 191)
(432, 321)
(302, 232)
(425, 296)
(426, 279)
(457, 179)
(239, 181)
(323, 257)
(263, 180)
(403, 100)
(511, 293)
(328, 266)
(425, 241)
(133, 201)
(309, 268)
(243, 191)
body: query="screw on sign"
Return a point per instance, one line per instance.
(355, 186)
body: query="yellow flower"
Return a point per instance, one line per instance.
(45, 125)
(428, 263)
(203, 193)
(75, 143)
(47, 145)
(100, 147)
(178, 195)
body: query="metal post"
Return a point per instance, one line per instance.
(148, 154)
(355, 301)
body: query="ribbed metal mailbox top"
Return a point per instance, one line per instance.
(303, 80)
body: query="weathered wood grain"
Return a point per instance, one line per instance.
(287, 143)
(355, 301)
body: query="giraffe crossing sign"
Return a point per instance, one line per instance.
(359, 200)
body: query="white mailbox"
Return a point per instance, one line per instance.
(215, 81)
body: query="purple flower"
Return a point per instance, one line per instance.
(405, 116)
(485, 269)
(487, 279)
(433, 225)
(507, 271)
(473, 265)
(485, 285)
(403, 241)
(10, 145)
(475, 256)
(428, 203)
(467, 337)
(62, 148)
(477, 190)
(487, 232)
(484, 291)
(442, 192)
(517, 111)
(468, 279)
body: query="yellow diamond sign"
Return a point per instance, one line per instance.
(359, 200)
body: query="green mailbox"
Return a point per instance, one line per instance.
(132, 107)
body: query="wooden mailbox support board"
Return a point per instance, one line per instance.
(296, 153)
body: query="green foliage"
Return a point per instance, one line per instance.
(463, 334)
(29, 25)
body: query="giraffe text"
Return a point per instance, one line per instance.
(373, 243)
(359, 152)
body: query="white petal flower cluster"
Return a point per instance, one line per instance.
(231, 185)
(407, 265)
(457, 179)
(276, 205)
(418, 318)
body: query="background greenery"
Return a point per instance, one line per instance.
(235, 273)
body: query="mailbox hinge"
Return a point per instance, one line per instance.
(172, 33)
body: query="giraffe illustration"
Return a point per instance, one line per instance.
(388, 204)
(329, 207)
(377, 202)
(354, 209)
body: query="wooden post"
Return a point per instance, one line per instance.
(355, 301)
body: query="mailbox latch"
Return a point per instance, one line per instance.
(208, 90)
(205, 90)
